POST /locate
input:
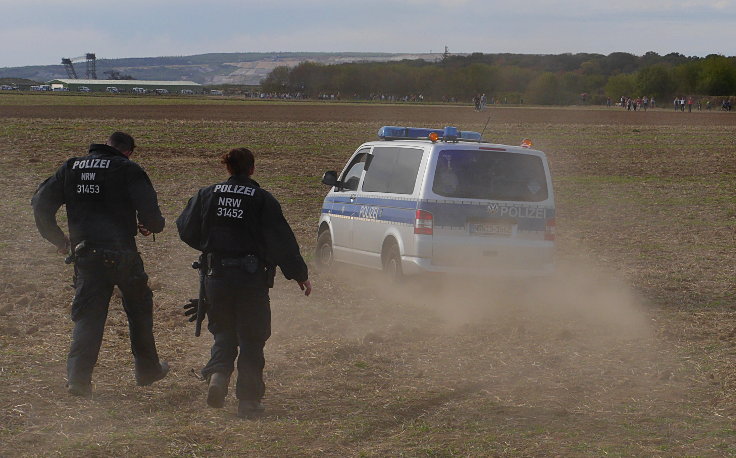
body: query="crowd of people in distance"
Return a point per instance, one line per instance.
(634, 104)
(679, 103)
(275, 95)
(479, 102)
(394, 98)
(376, 97)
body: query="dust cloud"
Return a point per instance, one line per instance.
(578, 340)
(578, 295)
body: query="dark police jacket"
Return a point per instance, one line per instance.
(237, 218)
(106, 195)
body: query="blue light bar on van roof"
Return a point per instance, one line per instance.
(449, 133)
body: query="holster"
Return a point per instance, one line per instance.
(79, 250)
(109, 257)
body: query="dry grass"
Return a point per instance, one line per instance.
(628, 351)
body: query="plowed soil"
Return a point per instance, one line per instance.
(627, 351)
(424, 115)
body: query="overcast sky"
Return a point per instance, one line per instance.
(41, 32)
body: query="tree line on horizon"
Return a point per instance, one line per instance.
(561, 79)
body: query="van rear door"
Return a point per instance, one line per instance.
(494, 209)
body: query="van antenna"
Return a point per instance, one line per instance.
(484, 127)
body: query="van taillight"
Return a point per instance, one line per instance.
(549, 229)
(423, 223)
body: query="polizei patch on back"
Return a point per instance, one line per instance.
(91, 164)
(235, 189)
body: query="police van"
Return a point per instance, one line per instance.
(440, 200)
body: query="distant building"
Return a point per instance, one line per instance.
(74, 85)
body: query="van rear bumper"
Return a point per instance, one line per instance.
(415, 266)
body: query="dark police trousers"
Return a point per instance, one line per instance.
(239, 317)
(96, 274)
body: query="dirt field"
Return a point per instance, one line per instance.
(231, 110)
(629, 350)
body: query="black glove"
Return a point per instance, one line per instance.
(190, 309)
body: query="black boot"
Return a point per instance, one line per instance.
(145, 381)
(79, 389)
(250, 409)
(217, 390)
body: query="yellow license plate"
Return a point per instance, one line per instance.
(490, 229)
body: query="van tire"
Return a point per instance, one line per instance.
(323, 254)
(392, 263)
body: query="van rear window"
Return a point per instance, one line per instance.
(490, 175)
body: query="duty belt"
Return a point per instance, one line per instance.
(248, 263)
(109, 256)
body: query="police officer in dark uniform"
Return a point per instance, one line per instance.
(108, 198)
(243, 235)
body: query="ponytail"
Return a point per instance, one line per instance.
(239, 161)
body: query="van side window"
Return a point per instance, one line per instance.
(351, 177)
(392, 169)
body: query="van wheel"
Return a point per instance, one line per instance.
(323, 252)
(392, 263)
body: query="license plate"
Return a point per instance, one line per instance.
(490, 229)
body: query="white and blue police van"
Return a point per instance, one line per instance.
(440, 200)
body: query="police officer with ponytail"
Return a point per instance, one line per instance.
(243, 236)
(109, 199)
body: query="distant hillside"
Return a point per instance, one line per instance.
(17, 81)
(213, 68)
